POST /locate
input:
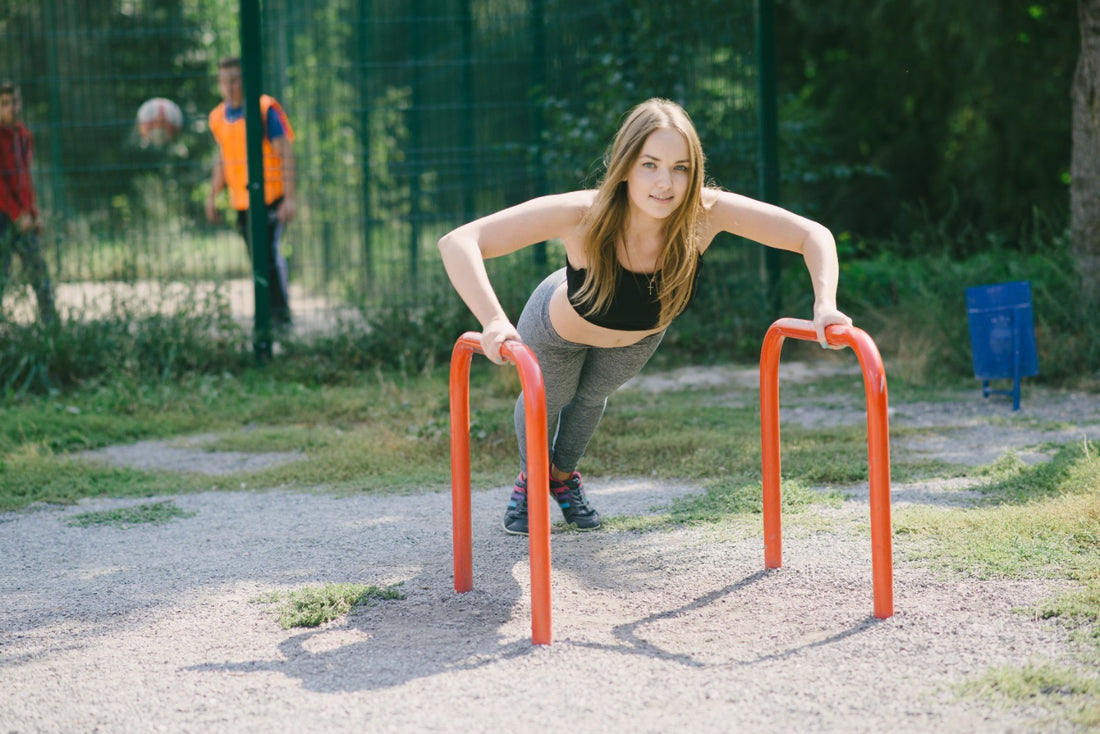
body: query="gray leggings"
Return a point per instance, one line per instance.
(578, 378)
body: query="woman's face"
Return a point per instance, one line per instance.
(659, 178)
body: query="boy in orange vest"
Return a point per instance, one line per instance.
(231, 171)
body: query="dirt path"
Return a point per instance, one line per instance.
(155, 628)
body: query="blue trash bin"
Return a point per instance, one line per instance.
(1002, 335)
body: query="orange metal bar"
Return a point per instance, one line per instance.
(538, 474)
(878, 447)
(460, 464)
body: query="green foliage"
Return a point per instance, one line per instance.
(727, 320)
(915, 308)
(407, 127)
(407, 338)
(708, 39)
(200, 336)
(314, 606)
(896, 111)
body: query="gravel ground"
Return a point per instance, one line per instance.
(157, 627)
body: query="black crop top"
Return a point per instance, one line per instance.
(632, 308)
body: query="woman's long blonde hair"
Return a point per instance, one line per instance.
(607, 217)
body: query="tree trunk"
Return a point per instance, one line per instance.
(1084, 190)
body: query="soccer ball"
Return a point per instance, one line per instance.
(159, 121)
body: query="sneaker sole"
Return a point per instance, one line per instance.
(513, 532)
(570, 526)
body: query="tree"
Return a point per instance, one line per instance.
(901, 111)
(1085, 161)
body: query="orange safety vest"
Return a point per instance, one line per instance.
(232, 141)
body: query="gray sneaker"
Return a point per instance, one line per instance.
(515, 517)
(573, 503)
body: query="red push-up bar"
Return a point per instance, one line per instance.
(878, 446)
(538, 465)
(538, 474)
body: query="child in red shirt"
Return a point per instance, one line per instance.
(19, 223)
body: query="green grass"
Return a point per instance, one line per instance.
(1054, 538)
(31, 473)
(155, 513)
(723, 500)
(316, 605)
(1078, 609)
(1034, 521)
(364, 436)
(1041, 520)
(380, 432)
(1064, 693)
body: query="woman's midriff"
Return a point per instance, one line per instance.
(572, 327)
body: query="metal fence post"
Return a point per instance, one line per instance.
(768, 121)
(252, 77)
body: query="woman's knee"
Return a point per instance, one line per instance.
(591, 396)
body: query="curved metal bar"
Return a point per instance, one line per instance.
(878, 446)
(538, 474)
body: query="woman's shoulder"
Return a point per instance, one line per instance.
(571, 211)
(713, 196)
(563, 210)
(576, 203)
(724, 210)
(716, 198)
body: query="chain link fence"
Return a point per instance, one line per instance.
(411, 117)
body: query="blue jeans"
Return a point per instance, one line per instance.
(278, 287)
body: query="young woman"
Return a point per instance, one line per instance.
(634, 248)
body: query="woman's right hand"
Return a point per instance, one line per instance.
(493, 336)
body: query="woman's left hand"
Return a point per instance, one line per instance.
(827, 316)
